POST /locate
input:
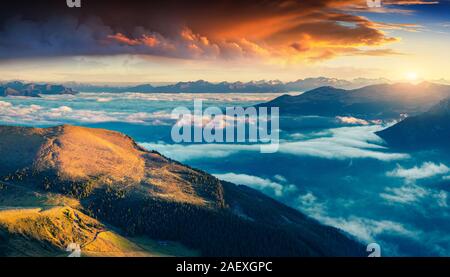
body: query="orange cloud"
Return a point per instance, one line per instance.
(290, 30)
(123, 39)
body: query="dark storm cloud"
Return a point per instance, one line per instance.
(190, 29)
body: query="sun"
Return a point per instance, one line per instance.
(412, 76)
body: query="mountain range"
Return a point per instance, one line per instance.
(17, 88)
(425, 131)
(385, 101)
(100, 190)
(201, 86)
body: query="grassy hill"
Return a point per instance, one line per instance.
(43, 224)
(98, 189)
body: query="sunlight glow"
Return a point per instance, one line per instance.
(412, 76)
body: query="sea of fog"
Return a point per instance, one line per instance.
(333, 169)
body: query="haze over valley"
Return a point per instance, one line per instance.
(93, 101)
(405, 189)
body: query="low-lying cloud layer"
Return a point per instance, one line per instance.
(339, 144)
(277, 187)
(36, 114)
(77, 108)
(412, 193)
(426, 170)
(378, 229)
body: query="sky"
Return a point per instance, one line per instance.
(169, 41)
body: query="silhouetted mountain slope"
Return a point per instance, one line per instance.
(428, 130)
(105, 175)
(371, 102)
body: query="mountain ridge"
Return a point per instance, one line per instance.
(383, 101)
(17, 88)
(430, 129)
(262, 86)
(163, 201)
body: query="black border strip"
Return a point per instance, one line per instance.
(146, 266)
